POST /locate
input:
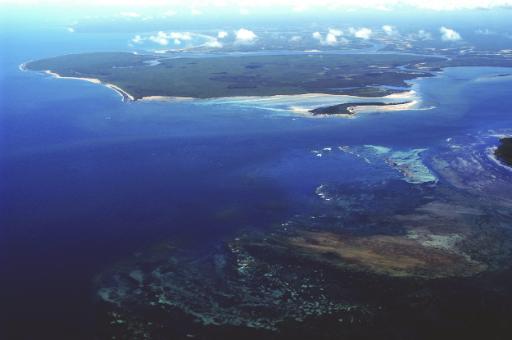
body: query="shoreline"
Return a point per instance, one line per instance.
(126, 97)
(491, 154)
(398, 95)
(166, 99)
(389, 107)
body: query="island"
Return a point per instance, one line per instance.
(504, 150)
(348, 108)
(139, 76)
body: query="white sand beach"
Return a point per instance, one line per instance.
(125, 95)
(165, 99)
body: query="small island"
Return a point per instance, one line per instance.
(504, 151)
(348, 108)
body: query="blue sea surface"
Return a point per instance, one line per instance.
(86, 178)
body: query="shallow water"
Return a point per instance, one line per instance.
(87, 179)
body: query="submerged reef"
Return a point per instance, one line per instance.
(232, 287)
(408, 163)
(370, 259)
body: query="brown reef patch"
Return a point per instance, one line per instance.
(413, 254)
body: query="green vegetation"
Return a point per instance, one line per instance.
(344, 108)
(228, 76)
(504, 151)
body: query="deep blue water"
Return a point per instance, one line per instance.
(86, 179)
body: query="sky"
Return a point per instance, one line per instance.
(185, 14)
(246, 6)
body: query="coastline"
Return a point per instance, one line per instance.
(166, 99)
(56, 75)
(412, 105)
(399, 95)
(491, 154)
(126, 97)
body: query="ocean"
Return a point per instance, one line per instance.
(87, 179)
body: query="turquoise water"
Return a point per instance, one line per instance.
(87, 178)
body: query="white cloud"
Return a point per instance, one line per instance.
(317, 35)
(137, 39)
(295, 38)
(163, 38)
(389, 30)
(160, 38)
(332, 38)
(244, 11)
(245, 36)
(361, 33)
(222, 34)
(71, 30)
(448, 34)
